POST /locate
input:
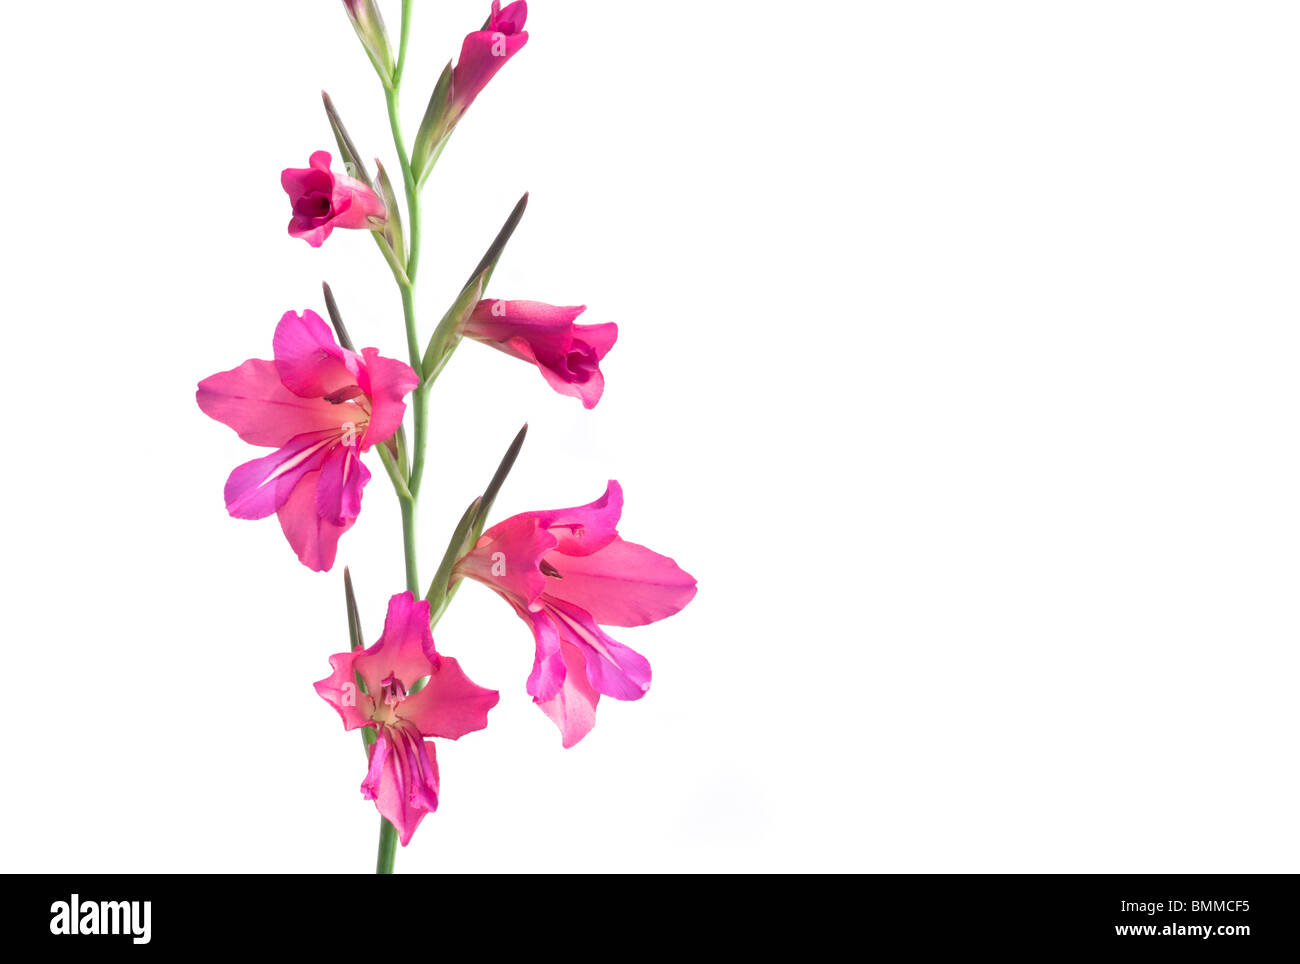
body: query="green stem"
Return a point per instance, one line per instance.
(408, 547)
(387, 847)
(406, 283)
(401, 45)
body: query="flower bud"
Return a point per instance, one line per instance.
(369, 25)
(482, 54)
(323, 201)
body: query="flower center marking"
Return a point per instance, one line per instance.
(394, 691)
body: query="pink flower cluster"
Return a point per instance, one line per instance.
(320, 407)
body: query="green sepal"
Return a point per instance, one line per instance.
(355, 636)
(434, 130)
(498, 479)
(393, 228)
(336, 319)
(462, 539)
(369, 25)
(447, 335)
(489, 261)
(351, 157)
(357, 639)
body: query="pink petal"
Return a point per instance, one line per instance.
(611, 668)
(314, 539)
(587, 389)
(338, 491)
(599, 338)
(341, 691)
(298, 181)
(314, 235)
(478, 63)
(260, 487)
(253, 401)
(450, 705)
(405, 650)
(511, 19)
(386, 381)
(354, 204)
(573, 709)
(310, 362)
(549, 328)
(506, 558)
(547, 677)
(621, 584)
(567, 355)
(578, 372)
(402, 780)
(582, 530)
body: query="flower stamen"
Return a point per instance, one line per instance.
(393, 690)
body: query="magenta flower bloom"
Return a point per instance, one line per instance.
(320, 406)
(403, 775)
(483, 53)
(323, 201)
(565, 571)
(567, 355)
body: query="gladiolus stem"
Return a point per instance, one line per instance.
(401, 44)
(408, 543)
(404, 273)
(419, 398)
(387, 847)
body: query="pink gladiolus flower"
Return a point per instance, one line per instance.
(323, 201)
(320, 406)
(565, 571)
(567, 355)
(483, 53)
(403, 775)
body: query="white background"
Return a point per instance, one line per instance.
(957, 361)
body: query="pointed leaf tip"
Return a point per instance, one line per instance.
(351, 156)
(489, 260)
(354, 617)
(498, 479)
(336, 319)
